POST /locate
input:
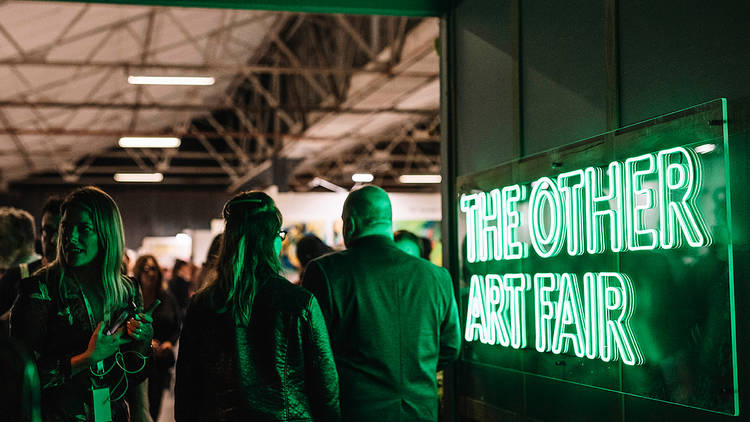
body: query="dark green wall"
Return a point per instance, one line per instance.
(523, 76)
(369, 7)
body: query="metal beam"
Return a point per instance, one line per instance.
(183, 133)
(171, 170)
(208, 107)
(100, 181)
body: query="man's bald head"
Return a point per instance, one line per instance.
(367, 211)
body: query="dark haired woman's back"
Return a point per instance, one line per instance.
(279, 367)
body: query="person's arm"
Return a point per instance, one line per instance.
(188, 387)
(9, 288)
(450, 331)
(315, 281)
(320, 370)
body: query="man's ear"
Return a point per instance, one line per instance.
(349, 227)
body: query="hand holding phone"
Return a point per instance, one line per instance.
(115, 324)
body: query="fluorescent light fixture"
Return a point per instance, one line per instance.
(139, 177)
(705, 148)
(148, 142)
(171, 80)
(420, 178)
(326, 184)
(362, 177)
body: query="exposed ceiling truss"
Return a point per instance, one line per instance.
(297, 96)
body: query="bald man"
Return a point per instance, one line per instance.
(392, 317)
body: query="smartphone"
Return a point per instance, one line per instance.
(153, 307)
(117, 323)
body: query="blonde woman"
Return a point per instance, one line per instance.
(65, 312)
(253, 345)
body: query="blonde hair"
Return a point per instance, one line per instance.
(110, 237)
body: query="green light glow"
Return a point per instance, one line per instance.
(644, 217)
(497, 308)
(512, 219)
(469, 206)
(634, 189)
(544, 285)
(617, 340)
(578, 206)
(680, 169)
(568, 314)
(595, 197)
(597, 325)
(572, 193)
(545, 194)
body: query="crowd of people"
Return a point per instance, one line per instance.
(361, 336)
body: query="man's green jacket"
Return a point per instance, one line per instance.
(393, 323)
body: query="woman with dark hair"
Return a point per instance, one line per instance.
(254, 346)
(166, 328)
(309, 248)
(83, 319)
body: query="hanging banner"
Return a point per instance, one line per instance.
(607, 262)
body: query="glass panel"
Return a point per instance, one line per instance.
(606, 262)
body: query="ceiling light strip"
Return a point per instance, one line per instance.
(420, 178)
(148, 142)
(139, 177)
(171, 80)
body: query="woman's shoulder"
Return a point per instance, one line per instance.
(283, 293)
(37, 285)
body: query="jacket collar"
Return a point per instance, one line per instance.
(373, 240)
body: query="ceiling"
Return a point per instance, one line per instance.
(300, 101)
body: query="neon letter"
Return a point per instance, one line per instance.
(470, 206)
(595, 215)
(589, 312)
(680, 171)
(546, 242)
(495, 302)
(490, 227)
(544, 307)
(572, 194)
(514, 292)
(615, 295)
(569, 314)
(475, 320)
(633, 210)
(513, 248)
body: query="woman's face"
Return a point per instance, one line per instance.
(150, 273)
(277, 245)
(80, 243)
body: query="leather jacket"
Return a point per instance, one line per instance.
(280, 367)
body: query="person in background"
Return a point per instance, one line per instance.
(166, 324)
(17, 235)
(392, 317)
(253, 345)
(50, 226)
(179, 284)
(10, 283)
(17, 257)
(309, 248)
(66, 310)
(408, 242)
(208, 269)
(426, 247)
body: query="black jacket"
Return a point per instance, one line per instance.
(50, 318)
(278, 368)
(393, 323)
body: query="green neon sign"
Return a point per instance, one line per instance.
(591, 263)
(577, 205)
